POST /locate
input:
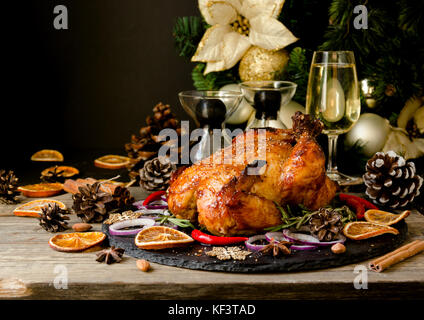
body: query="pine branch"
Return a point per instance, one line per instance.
(213, 80)
(298, 71)
(188, 32)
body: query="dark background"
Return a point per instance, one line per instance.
(91, 86)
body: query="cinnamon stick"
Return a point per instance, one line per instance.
(397, 255)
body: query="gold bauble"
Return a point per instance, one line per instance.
(259, 64)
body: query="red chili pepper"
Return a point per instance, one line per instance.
(359, 208)
(208, 239)
(365, 203)
(153, 197)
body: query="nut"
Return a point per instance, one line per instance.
(81, 227)
(338, 248)
(143, 265)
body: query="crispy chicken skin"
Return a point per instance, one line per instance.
(233, 191)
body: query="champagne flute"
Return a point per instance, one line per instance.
(333, 97)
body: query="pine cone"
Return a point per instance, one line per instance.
(53, 218)
(91, 204)
(162, 118)
(122, 199)
(156, 174)
(146, 145)
(326, 224)
(8, 187)
(391, 181)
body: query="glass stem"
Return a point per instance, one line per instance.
(332, 153)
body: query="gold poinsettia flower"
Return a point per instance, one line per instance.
(236, 25)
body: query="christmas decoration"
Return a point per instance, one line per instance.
(146, 145)
(156, 174)
(235, 27)
(53, 218)
(110, 255)
(391, 181)
(91, 204)
(8, 187)
(326, 224)
(287, 112)
(369, 134)
(408, 137)
(244, 110)
(367, 91)
(260, 64)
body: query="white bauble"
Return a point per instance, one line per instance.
(372, 131)
(244, 110)
(287, 112)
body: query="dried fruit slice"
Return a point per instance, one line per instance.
(385, 218)
(76, 241)
(47, 155)
(33, 208)
(65, 171)
(360, 230)
(112, 161)
(160, 237)
(41, 190)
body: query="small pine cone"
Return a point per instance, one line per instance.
(122, 198)
(156, 174)
(53, 218)
(8, 187)
(326, 224)
(162, 117)
(391, 181)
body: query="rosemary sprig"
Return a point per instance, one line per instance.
(183, 223)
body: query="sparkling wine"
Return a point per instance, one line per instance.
(333, 96)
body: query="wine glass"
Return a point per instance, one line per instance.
(210, 110)
(333, 97)
(267, 97)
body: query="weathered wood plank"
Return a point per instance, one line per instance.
(29, 267)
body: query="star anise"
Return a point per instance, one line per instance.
(52, 175)
(277, 247)
(110, 255)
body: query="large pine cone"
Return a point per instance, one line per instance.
(146, 145)
(8, 187)
(391, 181)
(53, 218)
(92, 204)
(156, 174)
(326, 224)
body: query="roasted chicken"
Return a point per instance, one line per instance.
(234, 191)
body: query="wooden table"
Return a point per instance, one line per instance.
(29, 267)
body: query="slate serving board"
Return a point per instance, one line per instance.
(194, 257)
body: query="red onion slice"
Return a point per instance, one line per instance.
(310, 240)
(303, 247)
(277, 236)
(255, 247)
(114, 229)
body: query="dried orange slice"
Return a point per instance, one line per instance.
(160, 237)
(112, 161)
(33, 208)
(41, 190)
(76, 241)
(47, 155)
(360, 230)
(385, 218)
(65, 171)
